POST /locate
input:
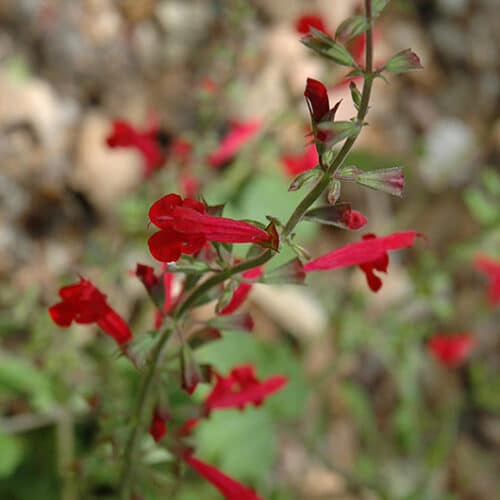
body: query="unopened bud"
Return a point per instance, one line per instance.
(389, 180)
(334, 192)
(403, 61)
(326, 47)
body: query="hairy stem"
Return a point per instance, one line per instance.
(218, 278)
(140, 414)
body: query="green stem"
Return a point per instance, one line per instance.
(140, 413)
(200, 290)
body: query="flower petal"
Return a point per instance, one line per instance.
(229, 487)
(361, 252)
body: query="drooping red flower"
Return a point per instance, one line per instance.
(185, 227)
(229, 487)
(239, 134)
(451, 350)
(124, 135)
(158, 426)
(491, 268)
(241, 292)
(310, 20)
(370, 255)
(240, 388)
(85, 304)
(296, 164)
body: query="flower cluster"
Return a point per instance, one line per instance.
(195, 244)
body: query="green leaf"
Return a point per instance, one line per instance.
(351, 28)
(19, 376)
(11, 454)
(378, 6)
(242, 444)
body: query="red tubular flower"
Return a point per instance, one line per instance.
(124, 135)
(241, 387)
(158, 427)
(296, 164)
(369, 254)
(491, 268)
(85, 304)
(451, 350)
(317, 99)
(239, 134)
(229, 487)
(185, 227)
(240, 294)
(307, 21)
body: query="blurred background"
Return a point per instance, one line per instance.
(370, 410)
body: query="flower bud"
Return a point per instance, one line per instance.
(389, 180)
(334, 192)
(403, 61)
(326, 47)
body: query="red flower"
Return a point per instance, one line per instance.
(159, 288)
(319, 107)
(307, 21)
(296, 164)
(239, 134)
(158, 427)
(356, 220)
(124, 135)
(369, 254)
(491, 268)
(185, 227)
(230, 488)
(451, 350)
(240, 294)
(317, 99)
(85, 304)
(241, 387)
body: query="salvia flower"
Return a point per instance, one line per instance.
(185, 227)
(83, 303)
(242, 291)
(296, 164)
(124, 135)
(239, 134)
(307, 21)
(318, 103)
(491, 268)
(240, 388)
(370, 255)
(451, 350)
(229, 487)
